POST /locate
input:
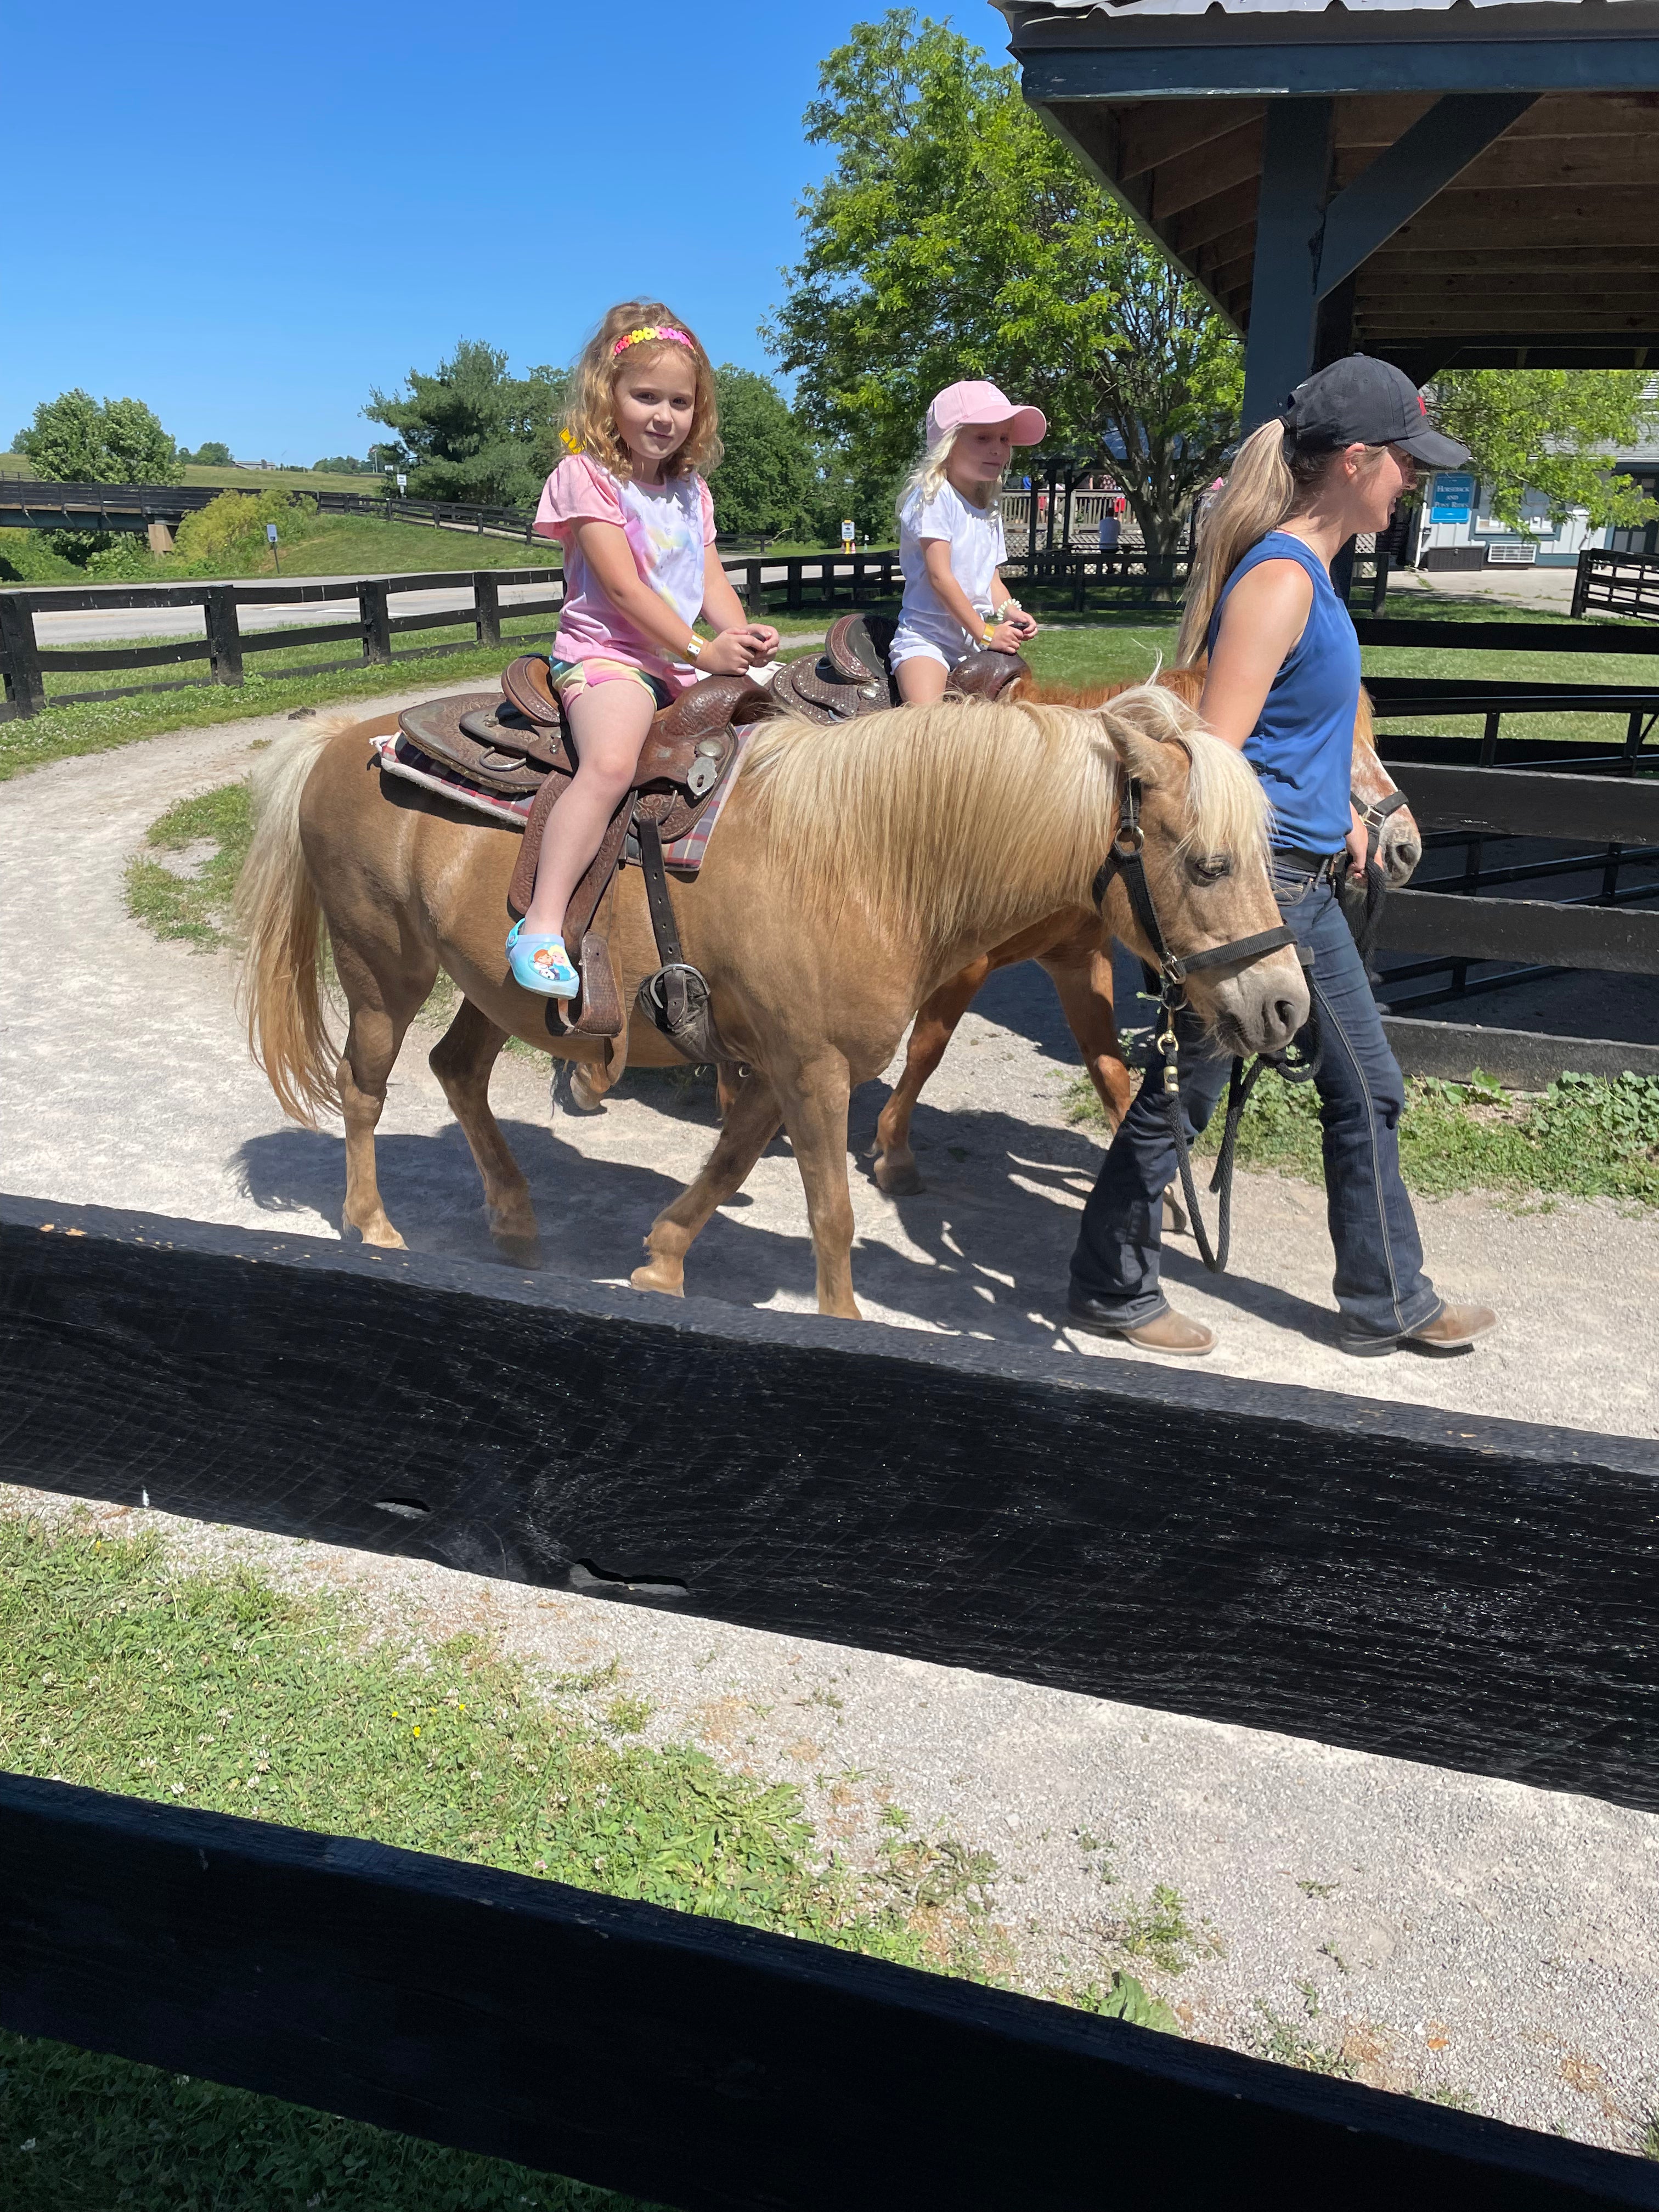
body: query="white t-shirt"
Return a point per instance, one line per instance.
(977, 551)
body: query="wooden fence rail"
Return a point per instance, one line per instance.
(1618, 584)
(688, 2061)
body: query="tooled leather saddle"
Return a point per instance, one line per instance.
(518, 744)
(853, 676)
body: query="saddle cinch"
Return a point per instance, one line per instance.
(519, 746)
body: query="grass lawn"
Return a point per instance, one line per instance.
(119, 1670)
(1587, 1136)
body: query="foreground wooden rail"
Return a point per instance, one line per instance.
(1477, 1593)
(688, 2061)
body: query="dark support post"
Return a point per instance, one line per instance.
(487, 607)
(1380, 582)
(754, 591)
(223, 635)
(1342, 570)
(1295, 165)
(26, 686)
(377, 618)
(792, 584)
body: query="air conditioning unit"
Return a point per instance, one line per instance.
(1511, 557)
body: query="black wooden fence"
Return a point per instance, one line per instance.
(1617, 584)
(1471, 1592)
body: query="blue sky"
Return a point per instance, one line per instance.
(255, 214)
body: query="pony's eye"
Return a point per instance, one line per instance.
(1210, 867)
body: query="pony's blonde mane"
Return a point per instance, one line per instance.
(949, 818)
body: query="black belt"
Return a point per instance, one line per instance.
(1321, 867)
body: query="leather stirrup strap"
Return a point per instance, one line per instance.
(585, 899)
(669, 957)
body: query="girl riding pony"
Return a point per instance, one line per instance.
(951, 541)
(634, 518)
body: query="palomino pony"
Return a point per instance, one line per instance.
(1070, 946)
(855, 867)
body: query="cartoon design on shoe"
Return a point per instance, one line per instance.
(541, 964)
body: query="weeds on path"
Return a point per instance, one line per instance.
(193, 906)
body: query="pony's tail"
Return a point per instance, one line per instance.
(280, 929)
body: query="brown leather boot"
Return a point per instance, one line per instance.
(1454, 1328)
(1168, 1332)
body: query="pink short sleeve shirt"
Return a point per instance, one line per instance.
(668, 526)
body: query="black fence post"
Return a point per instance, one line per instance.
(754, 590)
(377, 618)
(487, 608)
(792, 587)
(1580, 585)
(224, 636)
(26, 687)
(1380, 582)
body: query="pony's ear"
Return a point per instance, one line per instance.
(1142, 757)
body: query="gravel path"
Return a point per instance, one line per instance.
(127, 1083)
(1457, 1936)
(1438, 1934)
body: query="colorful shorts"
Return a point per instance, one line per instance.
(570, 679)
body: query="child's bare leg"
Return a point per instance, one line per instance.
(920, 681)
(610, 722)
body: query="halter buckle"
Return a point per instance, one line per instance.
(1129, 840)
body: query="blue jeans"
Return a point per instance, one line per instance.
(1380, 1285)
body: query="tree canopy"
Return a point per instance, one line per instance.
(956, 238)
(768, 484)
(212, 453)
(1551, 431)
(470, 431)
(75, 439)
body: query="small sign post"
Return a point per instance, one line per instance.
(270, 540)
(849, 532)
(403, 485)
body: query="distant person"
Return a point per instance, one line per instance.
(637, 524)
(1110, 529)
(951, 543)
(1283, 685)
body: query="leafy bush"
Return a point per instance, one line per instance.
(125, 559)
(30, 557)
(231, 529)
(75, 439)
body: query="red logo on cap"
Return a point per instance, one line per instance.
(1422, 405)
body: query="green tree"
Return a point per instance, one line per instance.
(75, 439)
(1553, 431)
(343, 465)
(470, 431)
(956, 238)
(767, 485)
(212, 453)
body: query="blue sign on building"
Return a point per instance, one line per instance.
(1452, 499)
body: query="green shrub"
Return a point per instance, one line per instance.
(28, 556)
(126, 559)
(231, 529)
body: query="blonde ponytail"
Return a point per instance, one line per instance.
(1262, 489)
(928, 475)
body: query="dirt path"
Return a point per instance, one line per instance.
(1458, 1937)
(127, 1083)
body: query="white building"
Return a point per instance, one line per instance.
(1457, 529)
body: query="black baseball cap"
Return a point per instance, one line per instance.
(1362, 402)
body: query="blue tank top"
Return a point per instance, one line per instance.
(1303, 746)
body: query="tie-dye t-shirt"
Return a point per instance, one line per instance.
(667, 528)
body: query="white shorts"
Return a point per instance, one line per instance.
(911, 641)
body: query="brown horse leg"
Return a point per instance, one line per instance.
(815, 1114)
(751, 1124)
(1083, 984)
(462, 1060)
(931, 1030)
(380, 1017)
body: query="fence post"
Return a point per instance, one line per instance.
(1581, 586)
(224, 636)
(1380, 582)
(25, 683)
(487, 607)
(377, 618)
(1079, 579)
(792, 570)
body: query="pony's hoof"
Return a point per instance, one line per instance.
(898, 1178)
(380, 1234)
(656, 1275)
(571, 1090)
(517, 1251)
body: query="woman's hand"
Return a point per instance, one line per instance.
(1359, 843)
(735, 651)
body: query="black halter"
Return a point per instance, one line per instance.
(1125, 858)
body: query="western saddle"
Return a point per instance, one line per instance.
(518, 746)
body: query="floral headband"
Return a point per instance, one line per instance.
(649, 330)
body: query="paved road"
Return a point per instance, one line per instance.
(113, 624)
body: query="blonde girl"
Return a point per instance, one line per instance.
(634, 516)
(951, 543)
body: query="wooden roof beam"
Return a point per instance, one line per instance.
(1222, 166)
(1162, 130)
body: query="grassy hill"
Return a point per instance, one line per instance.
(17, 465)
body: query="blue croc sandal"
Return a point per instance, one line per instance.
(540, 964)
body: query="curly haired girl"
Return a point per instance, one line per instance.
(633, 514)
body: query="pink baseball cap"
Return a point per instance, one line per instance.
(982, 402)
